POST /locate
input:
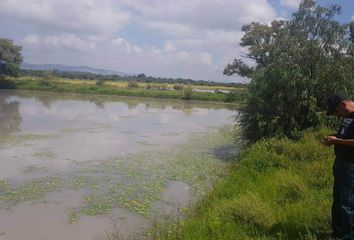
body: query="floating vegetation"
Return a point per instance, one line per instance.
(79, 130)
(70, 130)
(33, 169)
(4, 185)
(144, 143)
(73, 217)
(133, 181)
(44, 153)
(15, 140)
(29, 191)
(127, 116)
(128, 132)
(103, 125)
(98, 127)
(136, 181)
(170, 134)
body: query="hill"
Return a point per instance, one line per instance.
(65, 68)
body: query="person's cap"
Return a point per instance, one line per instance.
(333, 101)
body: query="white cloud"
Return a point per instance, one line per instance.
(190, 42)
(175, 29)
(214, 14)
(290, 3)
(127, 46)
(169, 47)
(70, 41)
(224, 37)
(184, 38)
(183, 55)
(91, 16)
(206, 58)
(31, 39)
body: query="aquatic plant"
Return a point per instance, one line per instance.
(15, 140)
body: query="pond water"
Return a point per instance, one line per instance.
(82, 166)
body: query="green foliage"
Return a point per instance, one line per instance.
(6, 84)
(10, 58)
(298, 64)
(47, 75)
(188, 92)
(100, 82)
(178, 87)
(287, 197)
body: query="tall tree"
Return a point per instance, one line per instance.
(297, 64)
(10, 58)
(351, 29)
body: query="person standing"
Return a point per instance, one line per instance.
(343, 169)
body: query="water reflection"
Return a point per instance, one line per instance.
(10, 118)
(47, 99)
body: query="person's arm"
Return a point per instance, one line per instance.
(330, 140)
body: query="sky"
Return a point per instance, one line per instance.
(164, 38)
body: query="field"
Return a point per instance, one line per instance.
(124, 89)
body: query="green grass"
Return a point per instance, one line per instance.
(237, 95)
(279, 189)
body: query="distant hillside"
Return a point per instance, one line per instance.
(64, 68)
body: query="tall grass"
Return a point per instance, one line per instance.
(279, 189)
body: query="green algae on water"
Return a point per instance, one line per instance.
(136, 181)
(32, 190)
(15, 140)
(44, 153)
(133, 181)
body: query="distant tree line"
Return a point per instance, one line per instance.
(137, 78)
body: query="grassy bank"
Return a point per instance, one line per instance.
(89, 87)
(279, 189)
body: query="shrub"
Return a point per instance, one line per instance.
(187, 93)
(178, 87)
(7, 84)
(100, 82)
(133, 84)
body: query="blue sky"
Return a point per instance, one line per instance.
(185, 38)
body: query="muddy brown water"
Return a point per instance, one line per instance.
(49, 134)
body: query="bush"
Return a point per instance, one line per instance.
(187, 93)
(133, 84)
(100, 82)
(7, 84)
(178, 87)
